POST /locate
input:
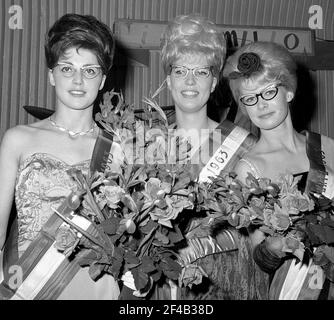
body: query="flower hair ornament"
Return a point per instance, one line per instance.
(248, 63)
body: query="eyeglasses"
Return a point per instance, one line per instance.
(199, 72)
(267, 94)
(89, 72)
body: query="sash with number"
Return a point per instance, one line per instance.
(228, 143)
(222, 149)
(42, 272)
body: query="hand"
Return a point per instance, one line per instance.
(256, 236)
(275, 245)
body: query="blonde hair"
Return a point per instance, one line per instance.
(193, 34)
(276, 65)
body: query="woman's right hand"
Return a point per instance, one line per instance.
(275, 245)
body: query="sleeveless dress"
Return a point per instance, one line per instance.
(42, 183)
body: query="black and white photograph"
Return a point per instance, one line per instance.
(167, 154)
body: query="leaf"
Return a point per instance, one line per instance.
(141, 278)
(149, 227)
(324, 233)
(156, 275)
(155, 106)
(175, 235)
(192, 274)
(115, 268)
(110, 225)
(267, 230)
(95, 271)
(129, 203)
(329, 253)
(182, 183)
(162, 238)
(131, 258)
(166, 223)
(147, 265)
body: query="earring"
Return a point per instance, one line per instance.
(289, 96)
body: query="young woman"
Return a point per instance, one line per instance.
(34, 158)
(262, 77)
(193, 53)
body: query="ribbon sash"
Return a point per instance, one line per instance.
(228, 147)
(320, 151)
(236, 141)
(43, 271)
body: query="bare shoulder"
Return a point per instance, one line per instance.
(18, 137)
(213, 124)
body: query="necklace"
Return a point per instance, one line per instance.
(71, 133)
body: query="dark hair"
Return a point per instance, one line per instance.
(79, 31)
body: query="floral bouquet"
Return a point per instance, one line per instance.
(302, 221)
(134, 205)
(148, 202)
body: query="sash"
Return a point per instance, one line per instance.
(228, 144)
(42, 272)
(297, 281)
(228, 148)
(320, 151)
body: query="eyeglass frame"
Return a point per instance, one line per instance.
(257, 95)
(210, 68)
(81, 69)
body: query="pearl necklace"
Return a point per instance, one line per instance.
(71, 133)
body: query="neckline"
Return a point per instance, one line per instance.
(50, 156)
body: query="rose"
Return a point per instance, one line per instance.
(280, 222)
(248, 63)
(267, 214)
(297, 203)
(65, 238)
(155, 189)
(112, 194)
(174, 205)
(258, 202)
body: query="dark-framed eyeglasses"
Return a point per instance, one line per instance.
(198, 72)
(267, 94)
(89, 72)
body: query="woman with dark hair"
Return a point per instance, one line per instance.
(35, 161)
(262, 77)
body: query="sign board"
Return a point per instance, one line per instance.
(147, 35)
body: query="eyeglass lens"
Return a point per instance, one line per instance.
(268, 94)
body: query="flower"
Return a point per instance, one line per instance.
(296, 203)
(65, 239)
(170, 209)
(248, 63)
(112, 195)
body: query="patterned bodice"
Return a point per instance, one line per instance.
(41, 183)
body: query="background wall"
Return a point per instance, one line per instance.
(23, 75)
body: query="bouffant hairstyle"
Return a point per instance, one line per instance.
(80, 31)
(193, 34)
(273, 63)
